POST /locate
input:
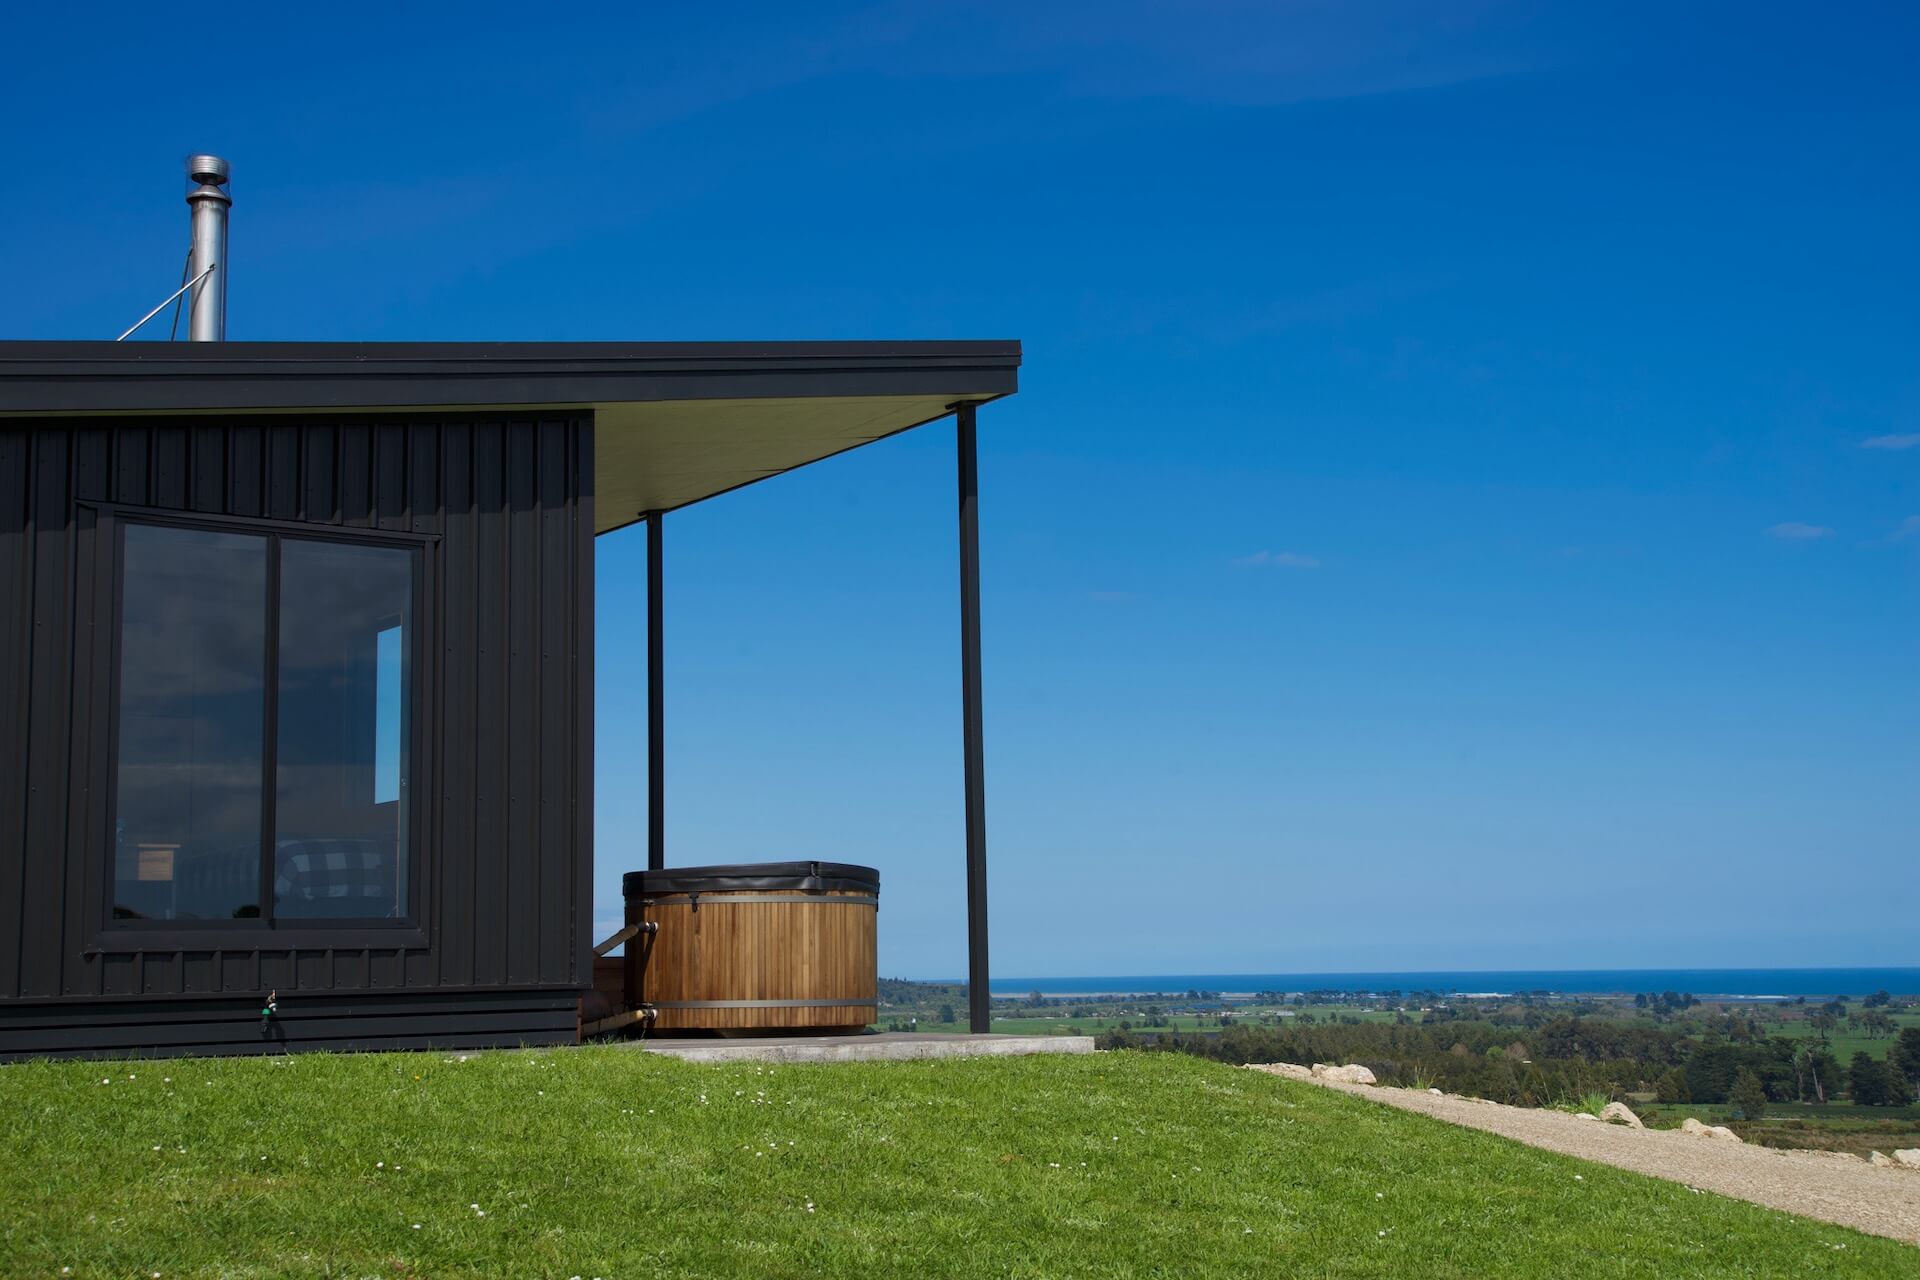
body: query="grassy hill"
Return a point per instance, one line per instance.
(606, 1162)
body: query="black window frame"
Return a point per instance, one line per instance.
(265, 931)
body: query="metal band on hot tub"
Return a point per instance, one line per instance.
(721, 895)
(762, 1004)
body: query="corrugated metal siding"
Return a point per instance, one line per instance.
(508, 856)
(340, 1021)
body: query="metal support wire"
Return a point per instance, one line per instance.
(211, 267)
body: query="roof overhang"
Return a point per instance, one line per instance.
(674, 422)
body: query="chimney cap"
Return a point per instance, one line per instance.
(211, 170)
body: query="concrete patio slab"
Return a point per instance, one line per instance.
(885, 1046)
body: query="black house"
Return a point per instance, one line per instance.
(296, 665)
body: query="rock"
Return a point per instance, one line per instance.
(1880, 1158)
(1292, 1070)
(1352, 1073)
(1585, 1115)
(1621, 1113)
(1436, 1093)
(1698, 1130)
(1908, 1156)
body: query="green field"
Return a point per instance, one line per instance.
(1846, 1040)
(1012, 1019)
(1833, 1127)
(1014, 1022)
(608, 1162)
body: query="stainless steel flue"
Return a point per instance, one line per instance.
(208, 263)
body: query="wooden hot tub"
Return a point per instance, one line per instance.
(770, 946)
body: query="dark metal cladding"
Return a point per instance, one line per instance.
(503, 504)
(153, 1028)
(104, 377)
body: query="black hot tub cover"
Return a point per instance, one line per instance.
(761, 877)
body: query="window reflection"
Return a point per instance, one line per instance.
(191, 725)
(198, 689)
(340, 804)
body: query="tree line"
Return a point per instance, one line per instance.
(1568, 1057)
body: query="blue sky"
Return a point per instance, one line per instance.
(1463, 507)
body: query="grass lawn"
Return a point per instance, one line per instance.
(607, 1162)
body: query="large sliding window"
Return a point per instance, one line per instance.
(265, 714)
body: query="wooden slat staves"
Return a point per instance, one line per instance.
(820, 947)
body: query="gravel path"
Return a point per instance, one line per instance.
(1853, 1193)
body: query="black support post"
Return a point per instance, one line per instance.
(656, 702)
(979, 998)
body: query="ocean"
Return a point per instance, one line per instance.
(1735, 984)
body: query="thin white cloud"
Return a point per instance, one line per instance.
(1800, 531)
(1908, 528)
(1905, 440)
(1277, 560)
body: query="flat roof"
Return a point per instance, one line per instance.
(675, 422)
